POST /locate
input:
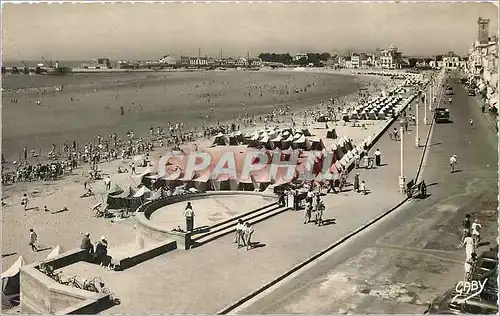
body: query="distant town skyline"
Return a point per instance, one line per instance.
(149, 31)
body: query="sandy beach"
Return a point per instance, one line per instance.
(90, 105)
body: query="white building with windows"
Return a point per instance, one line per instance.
(168, 60)
(198, 61)
(451, 61)
(299, 56)
(482, 65)
(390, 58)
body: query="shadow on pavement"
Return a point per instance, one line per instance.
(435, 144)
(484, 243)
(457, 171)
(331, 221)
(201, 229)
(43, 249)
(256, 244)
(9, 254)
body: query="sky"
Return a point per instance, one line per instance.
(149, 30)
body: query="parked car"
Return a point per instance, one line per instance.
(472, 93)
(485, 269)
(449, 90)
(446, 304)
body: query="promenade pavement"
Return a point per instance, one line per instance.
(208, 278)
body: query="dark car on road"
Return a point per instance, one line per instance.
(442, 115)
(485, 270)
(449, 90)
(472, 93)
(449, 303)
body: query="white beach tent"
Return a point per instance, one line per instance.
(11, 282)
(142, 192)
(55, 252)
(255, 136)
(277, 139)
(300, 140)
(146, 172)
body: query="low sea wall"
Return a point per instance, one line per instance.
(42, 295)
(183, 239)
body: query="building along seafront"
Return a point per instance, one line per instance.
(482, 65)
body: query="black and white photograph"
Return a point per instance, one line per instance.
(249, 157)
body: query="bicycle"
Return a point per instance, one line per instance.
(48, 270)
(74, 282)
(114, 300)
(91, 285)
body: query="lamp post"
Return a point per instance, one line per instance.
(425, 108)
(430, 97)
(417, 138)
(402, 179)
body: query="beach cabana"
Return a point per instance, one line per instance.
(142, 193)
(331, 134)
(220, 140)
(11, 284)
(314, 143)
(115, 190)
(306, 132)
(277, 141)
(299, 142)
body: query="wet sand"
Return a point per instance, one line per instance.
(151, 100)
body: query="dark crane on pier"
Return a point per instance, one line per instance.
(26, 68)
(46, 62)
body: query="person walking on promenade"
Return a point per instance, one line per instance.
(33, 240)
(189, 214)
(281, 199)
(466, 229)
(87, 244)
(378, 157)
(469, 265)
(24, 202)
(356, 183)
(132, 168)
(453, 163)
(307, 214)
(295, 199)
(239, 233)
(248, 235)
(476, 232)
(362, 187)
(320, 207)
(469, 247)
(107, 183)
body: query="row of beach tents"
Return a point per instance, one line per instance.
(130, 198)
(204, 181)
(272, 138)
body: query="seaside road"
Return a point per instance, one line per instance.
(403, 262)
(208, 278)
